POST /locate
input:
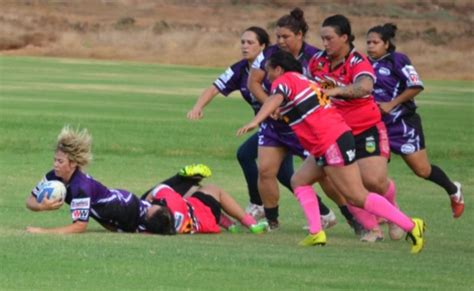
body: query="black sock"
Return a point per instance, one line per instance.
(255, 198)
(323, 209)
(437, 176)
(347, 214)
(271, 213)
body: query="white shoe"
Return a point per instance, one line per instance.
(371, 236)
(395, 232)
(256, 211)
(328, 220)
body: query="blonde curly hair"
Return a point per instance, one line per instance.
(76, 144)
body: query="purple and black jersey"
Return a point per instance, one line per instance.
(276, 133)
(89, 198)
(235, 78)
(395, 74)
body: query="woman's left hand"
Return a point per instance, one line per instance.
(385, 107)
(246, 128)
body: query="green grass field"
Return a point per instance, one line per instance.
(136, 114)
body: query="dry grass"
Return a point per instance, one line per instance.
(438, 35)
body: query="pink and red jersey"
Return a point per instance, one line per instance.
(315, 122)
(191, 215)
(359, 113)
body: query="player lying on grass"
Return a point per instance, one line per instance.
(201, 212)
(116, 210)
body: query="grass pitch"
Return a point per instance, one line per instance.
(136, 114)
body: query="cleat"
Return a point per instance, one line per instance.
(328, 220)
(256, 211)
(395, 232)
(416, 235)
(259, 227)
(318, 239)
(356, 226)
(195, 171)
(273, 225)
(371, 236)
(234, 228)
(457, 201)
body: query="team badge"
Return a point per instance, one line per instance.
(384, 71)
(320, 66)
(370, 144)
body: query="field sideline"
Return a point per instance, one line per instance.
(136, 114)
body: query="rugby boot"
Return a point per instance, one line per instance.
(195, 170)
(457, 201)
(317, 239)
(416, 235)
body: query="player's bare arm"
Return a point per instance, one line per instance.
(407, 95)
(362, 87)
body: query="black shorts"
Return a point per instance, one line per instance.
(210, 202)
(339, 154)
(373, 142)
(406, 135)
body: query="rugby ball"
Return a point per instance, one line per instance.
(51, 189)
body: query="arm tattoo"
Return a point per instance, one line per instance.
(356, 90)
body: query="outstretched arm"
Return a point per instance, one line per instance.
(206, 97)
(270, 105)
(77, 227)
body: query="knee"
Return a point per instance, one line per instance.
(242, 155)
(296, 181)
(378, 184)
(266, 173)
(422, 171)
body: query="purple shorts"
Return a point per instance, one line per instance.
(274, 133)
(406, 135)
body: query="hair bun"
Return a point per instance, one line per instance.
(297, 13)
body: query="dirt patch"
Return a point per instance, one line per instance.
(438, 35)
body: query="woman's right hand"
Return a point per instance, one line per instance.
(195, 114)
(51, 204)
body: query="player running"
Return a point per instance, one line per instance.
(252, 42)
(348, 77)
(396, 87)
(276, 139)
(325, 134)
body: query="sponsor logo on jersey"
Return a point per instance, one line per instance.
(80, 214)
(370, 144)
(408, 148)
(80, 203)
(384, 71)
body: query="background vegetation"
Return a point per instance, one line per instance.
(437, 35)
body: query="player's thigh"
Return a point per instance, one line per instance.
(348, 181)
(308, 174)
(270, 159)
(374, 172)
